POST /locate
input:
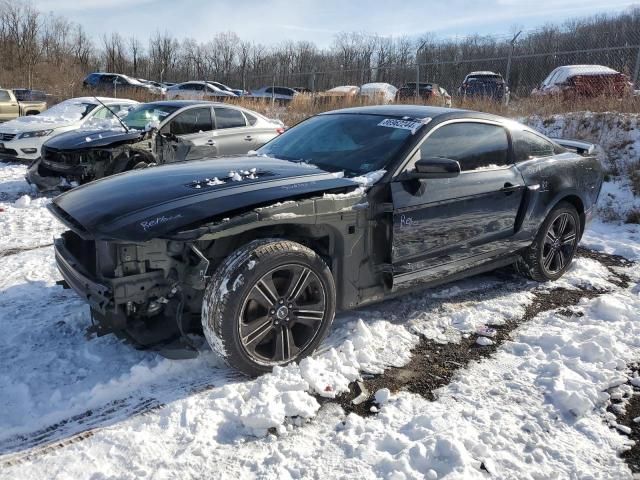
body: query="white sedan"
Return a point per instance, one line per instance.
(22, 138)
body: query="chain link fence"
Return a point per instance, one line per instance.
(523, 68)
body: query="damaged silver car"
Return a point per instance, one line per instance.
(150, 134)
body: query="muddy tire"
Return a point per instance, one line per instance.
(555, 245)
(269, 303)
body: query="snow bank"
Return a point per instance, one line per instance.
(618, 138)
(616, 134)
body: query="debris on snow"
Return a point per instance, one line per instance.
(484, 341)
(382, 396)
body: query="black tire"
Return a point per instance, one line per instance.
(256, 328)
(555, 245)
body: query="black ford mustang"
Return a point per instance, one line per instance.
(347, 208)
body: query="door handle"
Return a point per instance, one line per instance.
(211, 142)
(510, 188)
(248, 138)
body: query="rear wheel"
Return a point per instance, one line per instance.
(270, 303)
(555, 245)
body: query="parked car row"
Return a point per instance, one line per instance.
(569, 81)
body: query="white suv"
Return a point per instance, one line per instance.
(22, 138)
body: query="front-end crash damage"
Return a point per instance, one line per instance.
(153, 290)
(64, 168)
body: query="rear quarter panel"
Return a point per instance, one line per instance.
(566, 176)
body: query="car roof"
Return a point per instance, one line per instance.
(482, 72)
(188, 103)
(413, 111)
(437, 114)
(93, 100)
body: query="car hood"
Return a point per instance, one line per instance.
(34, 123)
(154, 202)
(92, 138)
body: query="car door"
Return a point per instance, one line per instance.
(9, 107)
(187, 136)
(441, 226)
(260, 132)
(232, 134)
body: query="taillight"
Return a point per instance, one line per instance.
(280, 130)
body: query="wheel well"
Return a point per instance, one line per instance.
(32, 112)
(579, 206)
(319, 238)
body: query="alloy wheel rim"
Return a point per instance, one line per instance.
(282, 314)
(559, 243)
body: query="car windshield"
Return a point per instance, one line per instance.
(353, 143)
(69, 110)
(139, 117)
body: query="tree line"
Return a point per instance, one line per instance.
(51, 52)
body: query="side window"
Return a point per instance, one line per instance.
(528, 145)
(474, 145)
(284, 91)
(187, 86)
(269, 90)
(250, 118)
(103, 113)
(194, 120)
(229, 118)
(4, 96)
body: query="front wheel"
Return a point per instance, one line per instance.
(269, 303)
(555, 245)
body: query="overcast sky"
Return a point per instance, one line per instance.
(273, 21)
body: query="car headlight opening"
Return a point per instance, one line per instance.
(39, 133)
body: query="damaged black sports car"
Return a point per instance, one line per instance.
(149, 134)
(347, 208)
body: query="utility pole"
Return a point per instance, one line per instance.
(513, 47)
(418, 69)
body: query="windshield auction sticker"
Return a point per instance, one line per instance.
(403, 124)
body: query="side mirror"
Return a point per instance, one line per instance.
(435, 167)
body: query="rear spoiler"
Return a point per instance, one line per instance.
(580, 147)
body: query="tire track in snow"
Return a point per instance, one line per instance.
(14, 251)
(24, 447)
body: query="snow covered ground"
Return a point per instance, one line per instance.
(77, 406)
